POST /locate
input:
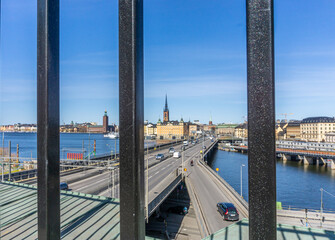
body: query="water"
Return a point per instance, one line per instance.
(297, 185)
(69, 142)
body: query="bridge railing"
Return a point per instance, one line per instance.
(168, 185)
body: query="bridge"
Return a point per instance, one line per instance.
(206, 188)
(308, 157)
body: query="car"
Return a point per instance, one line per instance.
(193, 142)
(192, 163)
(204, 147)
(64, 186)
(176, 155)
(185, 143)
(171, 150)
(228, 211)
(182, 210)
(160, 156)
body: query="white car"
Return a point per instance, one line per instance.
(176, 155)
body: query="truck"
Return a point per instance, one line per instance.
(176, 155)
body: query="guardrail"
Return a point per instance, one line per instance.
(157, 201)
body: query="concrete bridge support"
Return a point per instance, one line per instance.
(331, 164)
(308, 160)
(320, 161)
(286, 157)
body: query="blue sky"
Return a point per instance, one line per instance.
(194, 50)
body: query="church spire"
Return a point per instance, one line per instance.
(166, 117)
(166, 108)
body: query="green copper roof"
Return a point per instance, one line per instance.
(83, 216)
(227, 126)
(240, 230)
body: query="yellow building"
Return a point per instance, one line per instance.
(241, 131)
(293, 130)
(316, 128)
(172, 130)
(150, 129)
(193, 129)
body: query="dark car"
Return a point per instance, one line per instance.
(204, 147)
(182, 210)
(171, 150)
(228, 211)
(191, 163)
(64, 186)
(160, 156)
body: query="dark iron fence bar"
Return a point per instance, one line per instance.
(261, 120)
(132, 224)
(48, 119)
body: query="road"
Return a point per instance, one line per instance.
(157, 173)
(209, 194)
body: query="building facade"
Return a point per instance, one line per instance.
(315, 128)
(193, 129)
(150, 129)
(293, 130)
(172, 130)
(225, 129)
(330, 137)
(241, 131)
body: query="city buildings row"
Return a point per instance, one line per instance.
(312, 129)
(87, 127)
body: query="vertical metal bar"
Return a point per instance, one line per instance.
(261, 120)
(131, 119)
(48, 119)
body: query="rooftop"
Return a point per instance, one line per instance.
(318, 120)
(83, 216)
(240, 230)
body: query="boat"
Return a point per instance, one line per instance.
(112, 135)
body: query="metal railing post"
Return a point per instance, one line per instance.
(131, 144)
(48, 119)
(261, 120)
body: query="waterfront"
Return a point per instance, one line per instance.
(297, 185)
(69, 142)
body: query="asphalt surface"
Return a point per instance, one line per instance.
(100, 183)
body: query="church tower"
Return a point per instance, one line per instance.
(166, 117)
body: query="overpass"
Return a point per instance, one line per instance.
(163, 176)
(206, 188)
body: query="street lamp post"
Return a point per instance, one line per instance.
(241, 178)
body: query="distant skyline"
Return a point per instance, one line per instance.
(194, 51)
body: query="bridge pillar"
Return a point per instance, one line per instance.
(300, 158)
(308, 160)
(331, 164)
(323, 161)
(286, 157)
